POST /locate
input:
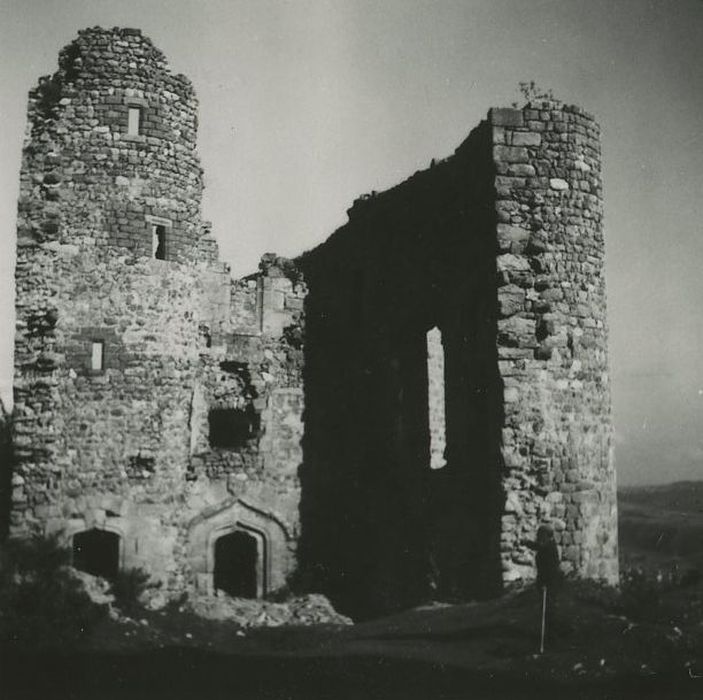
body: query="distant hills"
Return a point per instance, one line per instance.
(661, 527)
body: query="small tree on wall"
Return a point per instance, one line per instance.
(531, 92)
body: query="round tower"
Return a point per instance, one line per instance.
(111, 249)
(553, 338)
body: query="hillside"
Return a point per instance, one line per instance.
(661, 527)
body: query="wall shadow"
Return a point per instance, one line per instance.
(380, 529)
(6, 468)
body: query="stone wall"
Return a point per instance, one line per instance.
(380, 527)
(498, 251)
(127, 446)
(552, 337)
(392, 425)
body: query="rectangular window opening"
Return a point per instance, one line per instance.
(159, 241)
(134, 119)
(232, 428)
(97, 355)
(436, 398)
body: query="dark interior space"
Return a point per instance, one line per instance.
(97, 552)
(231, 428)
(160, 242)
(235, 564)
(380, 529)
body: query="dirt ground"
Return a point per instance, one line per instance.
(473, 650)
(644, 641)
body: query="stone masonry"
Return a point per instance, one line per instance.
(552, 335)
(125, 446)
(495, 255)
(386, 418)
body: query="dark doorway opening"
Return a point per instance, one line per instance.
(236, 558)
(97, 552)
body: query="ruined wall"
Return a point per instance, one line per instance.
(112, 250)
(552, 337)
(380, 527)
(497, 252)
(398, 421)
(253, 371)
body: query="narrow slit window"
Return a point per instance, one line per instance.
(134, 118)
(159, 241)
(97, 355)
(436, 398)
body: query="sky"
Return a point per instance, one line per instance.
(306, 104)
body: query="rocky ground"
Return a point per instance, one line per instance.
(643, 641)
(653, 648)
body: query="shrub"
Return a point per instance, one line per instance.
(128, 587)
(41, 604)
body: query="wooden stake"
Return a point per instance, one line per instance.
(544, 619)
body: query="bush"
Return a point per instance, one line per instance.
(41, 604)
(128, 587)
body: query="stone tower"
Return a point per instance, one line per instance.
(133, 345)
(107, 284)
(457, 390)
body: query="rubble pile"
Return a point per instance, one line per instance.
(311, 609)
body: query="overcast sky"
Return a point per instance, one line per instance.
(306, 104)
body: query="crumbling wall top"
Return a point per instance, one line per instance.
(116, 55)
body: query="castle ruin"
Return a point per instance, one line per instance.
(385, 418)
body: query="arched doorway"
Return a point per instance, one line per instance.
(211, 553)
(97, 552)
(236, 570)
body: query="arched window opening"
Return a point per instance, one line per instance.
(236, 563)
(97, 552)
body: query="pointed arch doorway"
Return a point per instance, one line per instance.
(238, 567)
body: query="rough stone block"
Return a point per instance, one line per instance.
(511, 300)
(517, 332)
(521, 169)
(510, 154)
(506, 117)
(512, 263)
(512, 238)
(526, 138)
(557, 183)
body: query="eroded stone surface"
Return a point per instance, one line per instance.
(128, 447)
(160, 400)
